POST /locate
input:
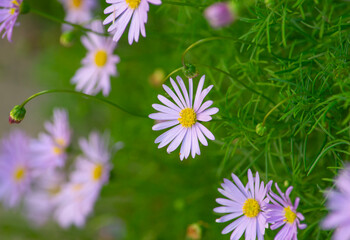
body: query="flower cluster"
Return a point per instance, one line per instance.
(33, 171)
(254, 206)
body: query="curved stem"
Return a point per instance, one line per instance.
(275, 107)
(213, 39)
(184, 4)
(238, 81)
(105, 101)
(169, 75)
(55, 19)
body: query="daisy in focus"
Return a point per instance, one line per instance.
(184, 117)
(49, 150)
(121, 12)
(9, 11)
(77, 11)
(93, 167)
(99, 64)
(246, 205)
(282, 212)
(15, 171)
(338, 204)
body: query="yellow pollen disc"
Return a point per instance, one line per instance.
(19, 174)
(289, 215)
(97, 172)
(133, 3)
(54, 191)
(57, 150)
(101, 58)
(76, 3)
(251, 208)
(15, 2)
(187, 117)
(12, 11)
(60, 142)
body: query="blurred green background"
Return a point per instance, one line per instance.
(153, 195)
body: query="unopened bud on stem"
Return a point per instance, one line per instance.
(17, 114)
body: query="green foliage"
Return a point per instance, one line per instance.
(294, 54)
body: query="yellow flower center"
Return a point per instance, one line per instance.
(12, 11)
(54, 191)
(60, 141)
(133, 3)
(76, 3)
(97, 172)
(19, 174)
(77, 187)
(289, 215)
(251, 208)
(101, 58)
(15, 2)
(57, 150)
(187, 117)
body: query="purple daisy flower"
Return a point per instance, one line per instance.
(283, 212)
(9, 11)
(77, 11)
(98, 65)
(219, 15)
(93, 167)
(49, 150)
(338, 204)
(121, 12)
(15, 171)
(184, 117)
(246, 205)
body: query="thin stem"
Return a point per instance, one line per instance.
(184, 4)
(173, 72)
(238, 81)
(213, 39)
(105, 101)
(55, 19)
(275, 107)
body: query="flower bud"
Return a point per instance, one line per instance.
(190, 71)
(220, 14)
(260, 129)
(194, 232)
(157, 77)
(24, 7)
(68, 38)
(17, 114)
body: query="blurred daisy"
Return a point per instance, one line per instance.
(283, 212)
(93, 167)
(49, 150)
(98, 65)
(338, 204)
(15, 172)
(9, 11)
(39, 203)
(220, 14)
(77, 11)
(121, 12)
(184, 117)
(74, 203)
(246, 205)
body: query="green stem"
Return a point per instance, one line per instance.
(238, 81)
(184, 4)
(173, 72)
(204, 40)
(275, 107)
(55, 19)
(105, 101)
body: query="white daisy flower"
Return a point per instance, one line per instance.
(184, 117)
(98, 65)
(77, 11)
(122, 12)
